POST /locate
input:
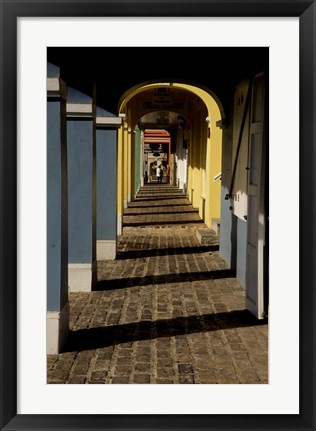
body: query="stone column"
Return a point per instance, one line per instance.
(57, 223)
(81, 138)
(106, 151)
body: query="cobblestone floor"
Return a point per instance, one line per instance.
(167, 311)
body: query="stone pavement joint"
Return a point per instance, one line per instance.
(166, 311)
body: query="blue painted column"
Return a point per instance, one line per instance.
(81, 191)
(106, 152)
(57, 222)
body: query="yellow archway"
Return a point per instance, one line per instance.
(204, 185)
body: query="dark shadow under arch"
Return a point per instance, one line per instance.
(97, 338)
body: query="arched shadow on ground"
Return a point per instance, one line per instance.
(133, 254)
(97, 338)
(122, 283)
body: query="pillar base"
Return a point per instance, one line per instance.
(57, 329)
(81, 277)
(119, 224)
(106, 249)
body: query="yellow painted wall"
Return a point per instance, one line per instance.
(132, 173)
(197, 172)
(120, 178)
(215, 166)
(191, 164)
(129, 165)
(125, 161)
(213, 156)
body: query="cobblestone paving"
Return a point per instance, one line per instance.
(161, 206)
(167, 311)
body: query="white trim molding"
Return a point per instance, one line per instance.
(79, 110)
(80, 277)
(56, 88)
(57, 329)
(108, 121)
(106, 249)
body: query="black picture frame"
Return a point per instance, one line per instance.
(10, 10)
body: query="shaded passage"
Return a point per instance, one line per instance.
(133, 254)
(122, 283)
(96, 338)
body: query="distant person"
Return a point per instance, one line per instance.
(168, 174)
(145, 178)
(159, 175)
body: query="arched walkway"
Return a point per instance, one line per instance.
(196, 126)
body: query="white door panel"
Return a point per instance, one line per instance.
(255, 221)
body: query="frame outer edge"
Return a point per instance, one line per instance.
(307, 214)
(160, 8)
(8, 238)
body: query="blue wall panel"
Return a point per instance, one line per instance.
(106, 183)
(81, 159)
(233, 241)
(53, 71)
(57, 222)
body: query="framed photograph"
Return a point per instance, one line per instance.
(278, 37)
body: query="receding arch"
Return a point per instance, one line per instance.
(206, 94)
(206, 140)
